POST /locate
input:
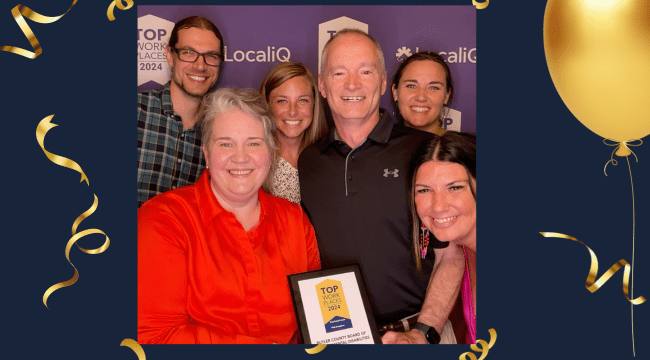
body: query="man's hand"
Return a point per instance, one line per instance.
(412, 337)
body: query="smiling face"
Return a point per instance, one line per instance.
(194, 79)
(237, 156)
(353, 80)
(292, 104)
(444, 201)
(421, 94)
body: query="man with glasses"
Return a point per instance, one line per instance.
(169, 146)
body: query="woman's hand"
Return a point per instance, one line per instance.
(412, 337)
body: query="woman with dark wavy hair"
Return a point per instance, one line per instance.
(443, 203)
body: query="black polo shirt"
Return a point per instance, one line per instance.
(358, 202)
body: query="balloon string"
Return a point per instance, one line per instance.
(618, 144)
(632, 269)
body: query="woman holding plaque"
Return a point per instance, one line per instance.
(213, 257)
(443, 202)
(422, 89)
(292, 95)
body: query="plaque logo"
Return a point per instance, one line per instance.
(333, 306)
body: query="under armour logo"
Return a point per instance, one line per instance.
(394, 173)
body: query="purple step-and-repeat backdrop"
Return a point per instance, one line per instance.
(259, 37)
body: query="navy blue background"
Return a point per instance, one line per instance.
(540, 170)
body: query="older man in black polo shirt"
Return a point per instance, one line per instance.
(354, 187)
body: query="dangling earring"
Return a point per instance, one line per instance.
(424, 240)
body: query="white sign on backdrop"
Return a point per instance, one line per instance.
(452, 120)
(153, 35)
(327, 29)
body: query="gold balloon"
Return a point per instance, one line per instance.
(598, 54)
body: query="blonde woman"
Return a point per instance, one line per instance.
(292, 94)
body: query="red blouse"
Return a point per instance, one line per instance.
(202, 279)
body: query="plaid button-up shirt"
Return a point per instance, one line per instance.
(168, 156)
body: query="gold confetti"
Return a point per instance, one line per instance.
(41, 130)
(480, 5)
(72, 241)
(316, 349)
(592, 285)
(18, 12)
(118, 3)
(484, 349)
(133, 345)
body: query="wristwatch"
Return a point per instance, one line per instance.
(430, 333)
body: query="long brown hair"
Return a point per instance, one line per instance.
(289, 70)
(453, 147)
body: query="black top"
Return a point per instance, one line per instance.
(358, 202)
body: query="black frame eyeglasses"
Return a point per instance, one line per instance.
(190, 56)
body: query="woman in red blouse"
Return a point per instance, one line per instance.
(213, 257)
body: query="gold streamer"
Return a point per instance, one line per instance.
(316, 349)
(118, 3)
(73, 240)
(18, 12)
(592, 285)
(484, 349)
(480, 5)
(621, 150)
(133, 345)
(43, 127)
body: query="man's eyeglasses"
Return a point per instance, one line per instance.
(191, 56)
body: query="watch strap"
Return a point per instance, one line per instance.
(430, 333)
